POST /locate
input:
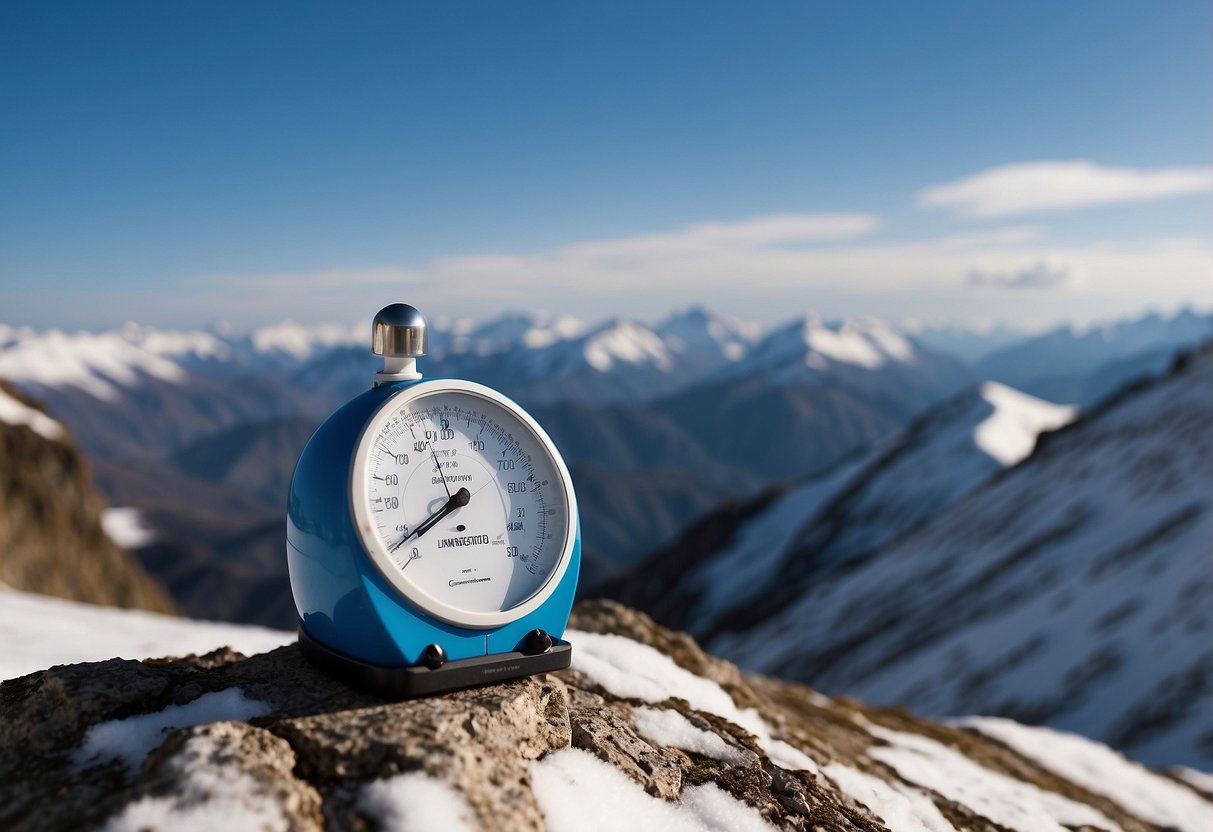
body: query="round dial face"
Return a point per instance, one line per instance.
(463, 503)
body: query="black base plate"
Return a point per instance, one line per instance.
(408, 682)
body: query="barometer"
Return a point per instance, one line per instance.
(432, 532)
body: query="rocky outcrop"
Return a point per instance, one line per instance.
(51, 539)
(644, 731)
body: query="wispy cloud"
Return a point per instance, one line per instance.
(1031, 187)
(770, 265)
(1039, 275)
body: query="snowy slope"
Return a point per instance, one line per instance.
(851, 510)
(1074, 590)
(39, 631)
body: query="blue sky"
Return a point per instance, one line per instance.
(1025, 162)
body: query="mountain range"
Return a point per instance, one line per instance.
(660, 424)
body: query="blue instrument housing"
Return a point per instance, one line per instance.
(344, 602)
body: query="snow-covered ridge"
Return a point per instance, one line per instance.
(1072, 589)
(867, 501)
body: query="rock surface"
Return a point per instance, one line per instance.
(51, 538)
(645, 728)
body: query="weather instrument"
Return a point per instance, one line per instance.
(432, 532)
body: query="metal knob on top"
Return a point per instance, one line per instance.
(399, 330)
(399, 334)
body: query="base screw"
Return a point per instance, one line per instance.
(537, 641)
(433, 656)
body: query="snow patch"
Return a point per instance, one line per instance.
(633, 670)
(212, 796)
(577, 792)
(1006, 801)
(715, 809)
(1103, 771)
(787, 756)
(126, 528)
(663, 726)
(1009, 433)
(416, 802)
(1199, 779)
(902, 808)
(38, 631)
(16, 412)
(130, 739)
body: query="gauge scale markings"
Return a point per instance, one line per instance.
(505, 525)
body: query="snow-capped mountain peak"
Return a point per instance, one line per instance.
(698, 331)
(864, 343)
(625, 342)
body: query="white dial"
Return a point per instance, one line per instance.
(463, 503)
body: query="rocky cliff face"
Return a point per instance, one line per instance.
(51, 539)
(645, 731)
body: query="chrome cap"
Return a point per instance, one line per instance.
(399, 330)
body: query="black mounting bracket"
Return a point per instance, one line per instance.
(420, 680)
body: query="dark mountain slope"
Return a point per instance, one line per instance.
(51, 537)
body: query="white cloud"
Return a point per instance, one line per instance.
(1038, 275)
(765, 267)
(1030, 187)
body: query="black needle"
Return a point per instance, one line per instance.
(460, 498)
(440, 474)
